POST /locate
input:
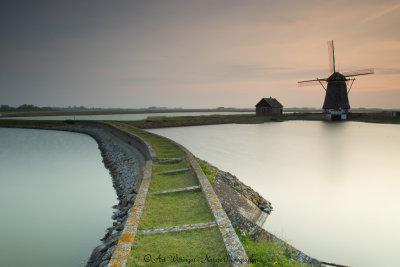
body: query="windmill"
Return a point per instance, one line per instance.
(337, 87)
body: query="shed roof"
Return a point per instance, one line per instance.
(272, 102)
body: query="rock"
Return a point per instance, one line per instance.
(96, 256)
(108, 254)
(244, 190)
(131, 197)
(120, 227)
(124, 162)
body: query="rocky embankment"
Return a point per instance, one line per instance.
(126, 164)
(246, 191)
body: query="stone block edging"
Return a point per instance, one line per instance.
(121, 253)
(183, 189)
(178, 228)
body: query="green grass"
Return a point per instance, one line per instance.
(267, 252)
(163, 153)
(188, 246)
(203, 120)
(161, 182)
(209, 171)
(160, 145)
(175, 209)
(160, 167)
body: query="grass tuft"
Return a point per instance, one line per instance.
(267, 252)
(208, 170)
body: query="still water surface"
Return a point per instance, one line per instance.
(125, 117)
(335, 187)
(55, 198)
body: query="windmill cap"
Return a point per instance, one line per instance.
(336, 76)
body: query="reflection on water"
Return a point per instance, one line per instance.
(124, 117)
(335, 187)
(55, 198)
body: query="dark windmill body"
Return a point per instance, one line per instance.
(336, 103)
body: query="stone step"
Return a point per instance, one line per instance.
(167, 160)
(174, 171)
(190, 188)
(178, 228)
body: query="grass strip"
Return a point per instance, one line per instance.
(161, 167)
(161, 182)
(158, 143)
(194, 248)
(175, 209)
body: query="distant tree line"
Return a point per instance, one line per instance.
(29, 107)
(24, 107)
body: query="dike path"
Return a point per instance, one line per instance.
(176, 217)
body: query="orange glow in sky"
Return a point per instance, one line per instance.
(195, 54)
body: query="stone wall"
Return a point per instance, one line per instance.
(234, 194)
(258, 233)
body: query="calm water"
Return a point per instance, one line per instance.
(55, 198)
(335, 187)
(125, 117)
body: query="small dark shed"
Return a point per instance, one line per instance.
(269, 106)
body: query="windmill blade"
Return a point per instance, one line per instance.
(358, 72)
(322, 82)
(331, 54)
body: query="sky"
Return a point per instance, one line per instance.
(195, 53)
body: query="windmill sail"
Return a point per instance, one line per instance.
(358, 72)
(322, 82)
(331, 54)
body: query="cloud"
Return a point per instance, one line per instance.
(382, 13)
(387, 71)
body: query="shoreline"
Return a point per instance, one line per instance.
(120, 168)
(166, 122)
(126, 173)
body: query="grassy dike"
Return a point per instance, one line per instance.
(164, 121)
(173, 209)
(182, 208)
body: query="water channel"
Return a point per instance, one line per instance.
(55, 198)
(335, 187)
